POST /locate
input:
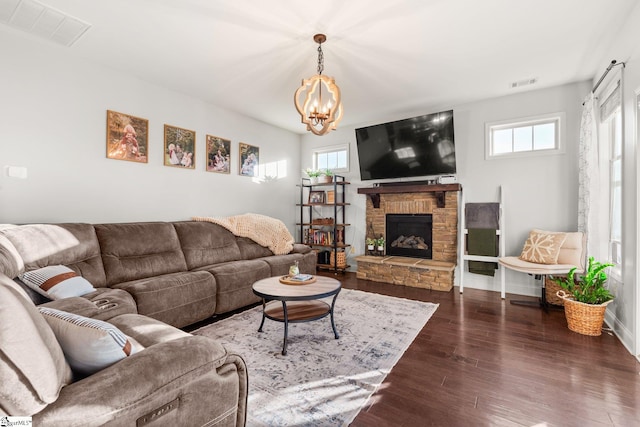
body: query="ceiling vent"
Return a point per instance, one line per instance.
(43, 21)
(525, 82)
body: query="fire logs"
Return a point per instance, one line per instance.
(409, 242)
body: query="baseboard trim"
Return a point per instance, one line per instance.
(619, 330)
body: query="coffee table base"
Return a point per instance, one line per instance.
(297, 312)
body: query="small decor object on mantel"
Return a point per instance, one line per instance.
(380, 245)
(586, 300)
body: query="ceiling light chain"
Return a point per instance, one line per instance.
(320, 59)
(320, 115)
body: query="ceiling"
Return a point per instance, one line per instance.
(390, 60)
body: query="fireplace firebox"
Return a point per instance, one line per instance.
(409, 235)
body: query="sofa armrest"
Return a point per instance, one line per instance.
(190, 378)
(299, 248)
(102, 304)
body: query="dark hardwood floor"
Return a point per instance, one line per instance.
(481, 361)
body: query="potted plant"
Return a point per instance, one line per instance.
(585, 299)
(326, 176)
(313, 175)
(371, 244)
(380, 245)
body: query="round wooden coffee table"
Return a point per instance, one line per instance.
(296, 303)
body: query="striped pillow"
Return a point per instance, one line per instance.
(56, 282)
(89, 345)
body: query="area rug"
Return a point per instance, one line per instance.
(322, 381)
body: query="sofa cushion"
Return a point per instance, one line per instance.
(89, 345)
(517, 264)
(73, 245)
(251, 250)
(11, 263)
(33, 368)
(573, 250)
(205, 243)
(145, 330)
(139, 250)
(178, 299)
(235, 280)
(56, 282)
(543, 247)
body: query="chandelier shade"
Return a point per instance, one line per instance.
(318, 99)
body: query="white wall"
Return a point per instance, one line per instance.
(540, 191)
(53, 122)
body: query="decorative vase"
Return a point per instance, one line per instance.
(294, 269)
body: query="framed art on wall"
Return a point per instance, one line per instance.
(249, 159)
(127, 137)
(179, 147)
(218, 154)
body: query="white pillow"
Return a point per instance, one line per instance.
(89, 345)
(56, 282)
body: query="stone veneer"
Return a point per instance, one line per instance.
(438, 273)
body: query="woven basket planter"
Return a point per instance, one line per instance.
(342, 259)
(551, 289)
(585, 319)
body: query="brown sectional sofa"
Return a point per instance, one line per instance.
(150, 278)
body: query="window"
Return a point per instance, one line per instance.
(540, 134)
(335, 158)
(611, 140)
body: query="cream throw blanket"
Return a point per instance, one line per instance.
(263, 230)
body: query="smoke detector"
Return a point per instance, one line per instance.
(43, 21)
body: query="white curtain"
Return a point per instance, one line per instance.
(589, 174)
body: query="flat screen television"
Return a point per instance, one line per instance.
(421, 146)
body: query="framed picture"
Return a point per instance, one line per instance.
(316, 197)
(218, 154)
(127, 137)
(179, 147)
(249, 159)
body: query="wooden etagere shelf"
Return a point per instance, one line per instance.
(322, 222)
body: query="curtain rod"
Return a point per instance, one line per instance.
(613, 64)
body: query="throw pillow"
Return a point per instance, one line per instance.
(89, 345)
(543, 247)
(56, 282)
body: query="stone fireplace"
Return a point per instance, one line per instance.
(430, 268)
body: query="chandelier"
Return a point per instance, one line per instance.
(318, 99)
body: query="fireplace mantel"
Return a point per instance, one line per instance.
(438, 189)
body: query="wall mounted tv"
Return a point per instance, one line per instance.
(417, 147)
